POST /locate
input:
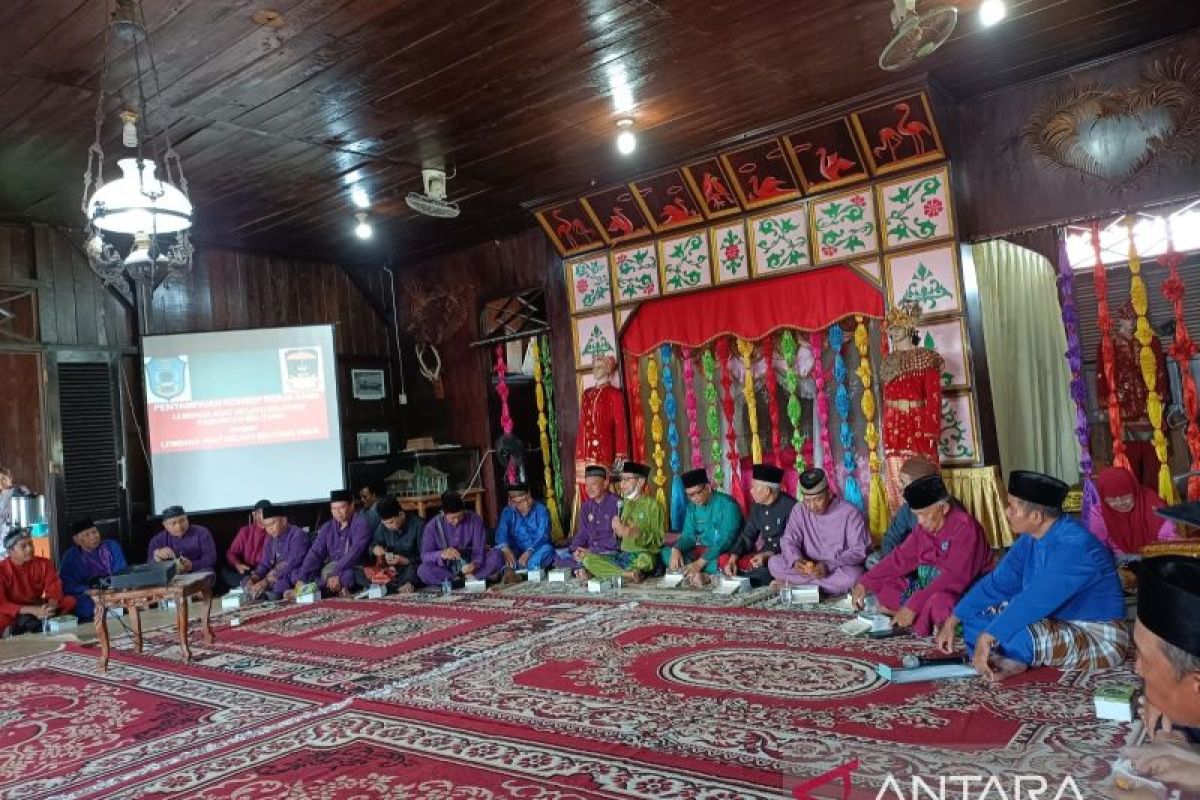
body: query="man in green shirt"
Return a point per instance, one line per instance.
(713, 520)
(639, 526)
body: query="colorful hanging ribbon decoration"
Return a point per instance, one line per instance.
(552, 420)
(543, 424)
(731, 446)
(678, 505)
(1070, 318)
(689, 402)
(850, 488)
(634, 382)
(746, 350)
(506, 423)
(791, 382)
(1149, 365)
(767, 345)
(656, 429)
(818, 375)
(712, 414)
(1100, 283)
(1183, 350)
(877, 507)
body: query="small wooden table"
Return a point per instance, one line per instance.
(424, 501)
(133, 600)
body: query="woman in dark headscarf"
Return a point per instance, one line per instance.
(1125, 519)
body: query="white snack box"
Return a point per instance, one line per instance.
(475, 586)
(556, 576)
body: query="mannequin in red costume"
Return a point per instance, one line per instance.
(603, 436)
(1132, 393)
(912, 399)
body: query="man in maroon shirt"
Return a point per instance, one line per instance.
(247, 548)
(30, 590)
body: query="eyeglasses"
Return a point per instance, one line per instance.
(696, 492)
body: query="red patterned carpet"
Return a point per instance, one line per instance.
(503, 696)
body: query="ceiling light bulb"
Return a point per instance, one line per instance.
(626, 140)
(129, 134)
(991, 12)
(363, 229)
(358, 196)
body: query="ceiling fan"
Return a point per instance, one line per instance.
(916, 35)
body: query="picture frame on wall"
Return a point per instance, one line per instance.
(368, 384)
(928, 277)
(373, 444)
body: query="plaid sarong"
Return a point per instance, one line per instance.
(1079, 645)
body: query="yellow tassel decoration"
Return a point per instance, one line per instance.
(877, 507)
(556, 531)
(656, 431)
(746, 349)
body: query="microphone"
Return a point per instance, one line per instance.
(912, 662)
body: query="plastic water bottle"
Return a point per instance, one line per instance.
(870, 605)
(445, 588)
(785, 594)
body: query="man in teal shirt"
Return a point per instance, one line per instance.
(712, 522)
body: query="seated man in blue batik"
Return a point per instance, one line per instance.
(90, 558)
(523, 533)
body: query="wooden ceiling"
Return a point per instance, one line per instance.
(515, 96)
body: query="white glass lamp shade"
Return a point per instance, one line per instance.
(122, 206)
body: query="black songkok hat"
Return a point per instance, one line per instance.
(520, 487)
(82, 524)
(341, 496)
(635, 468)
(766, 473)
(1037, 488)
(924, 492)
(1168, 600)
(1184, 513)
(170, 512)
(694, 477)
(15, 535)
(452, 503)
(813, 481)
(595, 471)
(262, 504)
(388, 508)
(269, 511)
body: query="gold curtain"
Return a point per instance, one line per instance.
(980, 491)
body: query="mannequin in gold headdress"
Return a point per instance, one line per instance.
(912, 398)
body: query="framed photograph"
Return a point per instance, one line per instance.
(367, 384)
(372, 444)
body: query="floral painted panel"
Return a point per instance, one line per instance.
(958, 442)
(780, 240)
(635, 272)
(590, 283)
(915, 209)
(686, 262)
(844, 227)
(949, 339)
(731, 255)
(595, 335)
(927, 277)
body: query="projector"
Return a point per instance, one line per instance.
(139, 576)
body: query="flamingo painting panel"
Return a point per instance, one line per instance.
(761, 174)
(667, 201)
(825, 156)
(570, 228)
(712, 184)
(617, 213)
(898, 134)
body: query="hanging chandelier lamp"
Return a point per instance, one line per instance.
(146, 215)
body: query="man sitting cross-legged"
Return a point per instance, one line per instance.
(395, 549)
(30, 590)
(919, 582)
(339, 547)
(639, 526)
(596, 514)
(279, 567)
(453, 548)
(91, 558)
(523, 533)
(825, 543)
(763, 528)
(1055, 599)
(712, 521)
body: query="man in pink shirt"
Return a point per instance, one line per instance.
(247, 548)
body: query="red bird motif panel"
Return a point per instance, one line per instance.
(898, 134)
(617, 214)
(761, 175)
(712, 185)
(570, 228)
(667, 201)
(826, 156)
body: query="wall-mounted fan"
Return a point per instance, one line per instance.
(916, 35)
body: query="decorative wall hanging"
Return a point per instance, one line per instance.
(543, 424)
(843, 227)
(570, 228)
(949, 339)
(589, 283)
(635, 273)
(635, 402)
(617, 214)
(927, 278)
(789, 347)
(915, 209)
(552, 421)
(898, 134)
(678, 503)
(731, 443)
(851, 491)
(691, 406)
(1122, 135)
(779, 240)
(594, 335)
(656, 430)
(731, 255)
(1074, 354)
(1183, 350)
(746, 351)
(1107, 359)
(712, 414)
(667, 201)
(433, 316)
(686, 262)
(500, 368)
(877, 505)
(826, 156)
(761, 175)
(958, 442)
(714, 187)
(822, 403)
(767, 346)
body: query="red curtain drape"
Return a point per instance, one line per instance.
(806, 301)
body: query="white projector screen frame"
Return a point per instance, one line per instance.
(289, 471)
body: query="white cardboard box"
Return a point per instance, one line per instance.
(308, 597)
(595, 585)
(231, 602)
(556, 576)
(535, 575)
(1117, 703)
(63, 624)
(377, 591)
(728, 586)
(475, 586)
(671, 580)
(805, 595)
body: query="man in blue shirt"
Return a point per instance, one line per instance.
(1055, 599)
(523, 533)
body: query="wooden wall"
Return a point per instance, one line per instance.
(1002, 187)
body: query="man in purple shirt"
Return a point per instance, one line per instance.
(452, 546)
(596, 513)
(825, 542)
(190, 546)
(283, 554)
(339, 547)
